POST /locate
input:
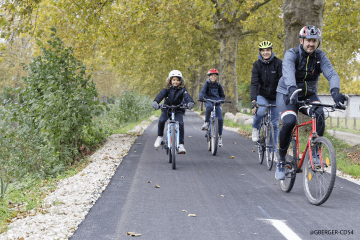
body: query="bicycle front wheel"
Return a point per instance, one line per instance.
(215, 136)
(173, 146)
(270, 145)
(319, 180)
(290, 168)
(261, 144)
(208, 139)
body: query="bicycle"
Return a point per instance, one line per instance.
(171, 143)
(320, 171)
(265, 144)
(212, 133)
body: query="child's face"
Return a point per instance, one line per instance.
(213, 77)
(175, 81)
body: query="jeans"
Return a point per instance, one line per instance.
(178, 117)
(275, 116)
(289, 119)
(209, 108)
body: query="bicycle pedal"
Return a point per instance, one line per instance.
(299, 170)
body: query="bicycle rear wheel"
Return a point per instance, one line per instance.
(319, 182)
(173, 146)
(261, 144)
(215, 136)
(290, 167)
(270, 148)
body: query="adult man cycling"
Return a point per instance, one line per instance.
(301, 69)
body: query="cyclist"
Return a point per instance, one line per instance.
(265, 77)
(174, 93)
(301, 68)
(213, 90)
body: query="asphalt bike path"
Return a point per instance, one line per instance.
(232, 198)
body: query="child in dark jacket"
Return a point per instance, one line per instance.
(213, 90)
(174, 93)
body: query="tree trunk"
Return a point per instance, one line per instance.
(228, 47)
(298, 14)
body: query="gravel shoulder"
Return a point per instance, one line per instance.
(67, 206)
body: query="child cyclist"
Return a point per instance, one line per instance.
(174, 93)
(213, 90)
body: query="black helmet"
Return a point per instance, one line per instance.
(310, 32)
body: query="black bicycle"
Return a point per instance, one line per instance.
(266, 144)
(212, 132)
(171, 143)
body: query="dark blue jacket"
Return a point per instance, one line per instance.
(213, 91)
(173, 96)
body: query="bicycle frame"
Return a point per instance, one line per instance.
(172, 122)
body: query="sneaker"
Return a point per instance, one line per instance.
(158, 142)
(316, 157)
(220, 142)
(255, 135)
(181, 148)
(280, 171)
(275, 158)
(205, 126)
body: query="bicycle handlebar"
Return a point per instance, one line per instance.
(269, 105)
(213, 101)
(332, 106)
(180, 106)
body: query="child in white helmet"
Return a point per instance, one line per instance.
(174, 93)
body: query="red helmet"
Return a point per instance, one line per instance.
(213, 71)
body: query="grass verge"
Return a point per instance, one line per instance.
(28, 195)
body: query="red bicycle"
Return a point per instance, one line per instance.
(319, 157)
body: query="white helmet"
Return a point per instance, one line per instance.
(175, 73)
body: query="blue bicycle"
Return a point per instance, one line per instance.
(212, 132)
(171, 143)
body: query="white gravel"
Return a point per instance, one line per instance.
(65, 208)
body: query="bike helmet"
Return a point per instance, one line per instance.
(265, 44)
(310, 32)
(213, 71)
(175, 73)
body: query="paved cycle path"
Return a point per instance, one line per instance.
(252, 205)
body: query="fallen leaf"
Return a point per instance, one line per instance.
(192, 215)
(243, 174)
(253, 150)
(223, 195)
(190, 136)
(134, 151)
(122, 177)
(129, 233)
(149, 181)
(234, 142)
(157, 186)
(232, 157)
(136, 235)
(184, 211)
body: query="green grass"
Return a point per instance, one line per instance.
(342, 126)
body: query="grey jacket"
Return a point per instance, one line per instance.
(288, 72)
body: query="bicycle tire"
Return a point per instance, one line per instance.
(319, 183)
(215, 136)
(173, 146)
(290, 168)
(208, 139)
(270, 138)
(261, 143)
(169, 155)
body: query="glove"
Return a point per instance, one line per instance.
(338, 97)
(295, 98)
(190, 105)
(254, 104)
(155, 105)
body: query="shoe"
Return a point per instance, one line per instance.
(181, 148)
(158, 142)
(220, 142)
(205, 126)
(255, 135)
(275, 158)
(316, 157)
(280, 171)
